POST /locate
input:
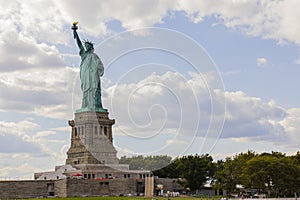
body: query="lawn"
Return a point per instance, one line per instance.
(122, 198)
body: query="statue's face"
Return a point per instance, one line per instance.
(88, 46)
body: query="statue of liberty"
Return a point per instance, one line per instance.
(91, 69)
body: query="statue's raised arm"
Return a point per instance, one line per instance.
(76, 36)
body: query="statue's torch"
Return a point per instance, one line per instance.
(75, 27)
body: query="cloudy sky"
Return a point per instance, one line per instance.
(181, 77)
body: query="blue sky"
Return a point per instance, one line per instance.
(181, 77)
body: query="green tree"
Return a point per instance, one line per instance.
(229, 173)
(256, 174)
(224, 177)
(285, 176)
(296, 158)
(156, 162)
(169, 171)
(273, 172)
(196, 170)
(147, 163)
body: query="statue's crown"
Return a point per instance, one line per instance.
(88, 42)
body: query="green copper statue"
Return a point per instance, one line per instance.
(91, 69)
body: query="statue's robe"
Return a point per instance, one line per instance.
(91, 69)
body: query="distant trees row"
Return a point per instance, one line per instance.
(148, 163)
(274, 174)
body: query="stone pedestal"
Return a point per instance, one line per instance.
(91, 140)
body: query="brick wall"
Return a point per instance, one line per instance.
(24, 189)
(92, 187)
(68, 188)
(60, 188)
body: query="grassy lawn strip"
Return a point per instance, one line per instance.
(123, 198)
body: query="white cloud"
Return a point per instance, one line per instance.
(14, 137)
(261, 61)
(63, 128)
(20, 52)
(42, 134)
(24, 171)
(17, 128)
(28, 32)
(32, 19)
(267, 19)
(291, 124)
(39, 91)
(247, 118)
(176, 142)
(132, 14)
(31, 148)
(150, 103)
